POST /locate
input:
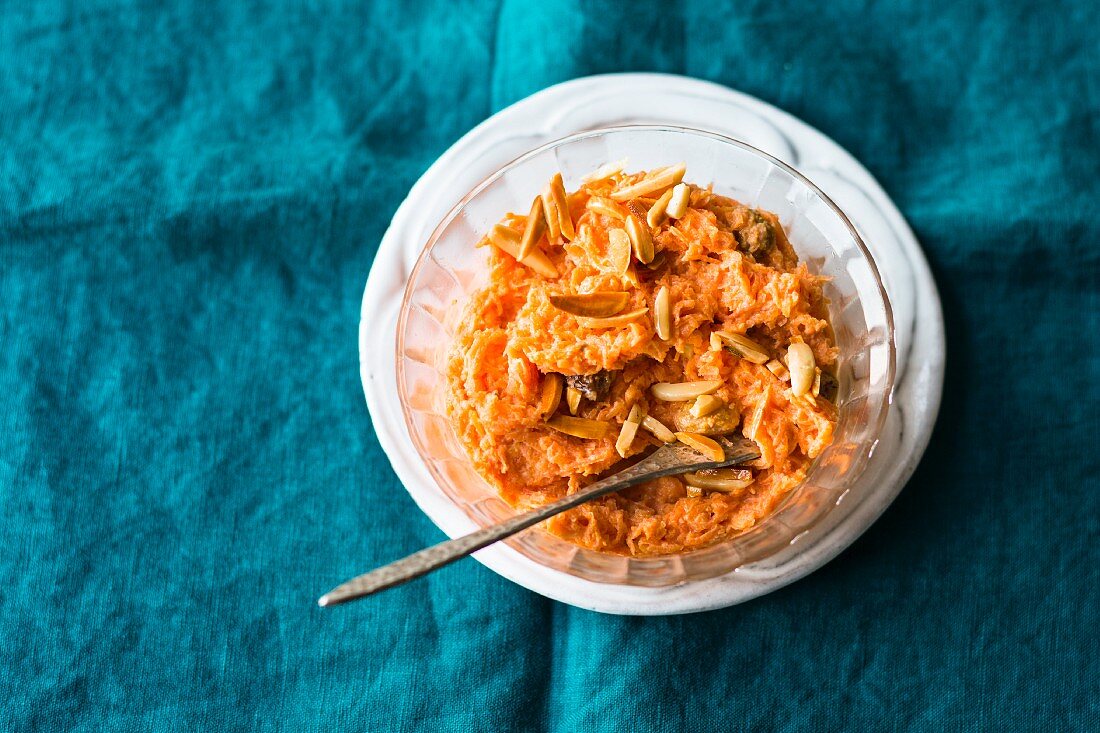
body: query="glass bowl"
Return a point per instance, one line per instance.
(450, 267)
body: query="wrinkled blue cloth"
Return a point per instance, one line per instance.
(191, 195)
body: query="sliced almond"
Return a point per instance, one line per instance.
(684, 391)
(659, 260)
(741, 345)
(618, 250)
(507, 240)
(533, 231)
(573, 399)
(776, 367)
(550, 394)
(800, 360)
(678, 201)
(634, 206)
(561, 204)
(816, 390)
(607, 207)
(629, 430)
(550, 213)
(640, 239)
(600, 304)
(693, 491)
(581, 427)
(662, 313)
(706, 404)
(605, 171)
(707, 446)
(657, 180)
(612, 321)
(658, 429)
(657, 212)
(720, 479)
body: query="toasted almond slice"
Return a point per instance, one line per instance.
(816, 390)
(678, 202)
(658, 261)
(800, 360)
(581, 427)
(776, 367)
(536, 227)
(658, 429)
(507, 240)
(684, 391)
(629, 430)
(630, 277)
(693, 491)
(707, 446)
(618, 250)
(600, 304)
(662, 313)
(605, 171)
(607, 207)
(634, 206)
(720, 479)
(706, 404)
(640, 239)
(550, 213)
(657, 180)
(754, 423)
(613, 321)
(657, 212)
(501, 236)
(561, 204)
(573, 399)
(550, 394)
(741, 345)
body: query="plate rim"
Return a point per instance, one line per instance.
(749, 581)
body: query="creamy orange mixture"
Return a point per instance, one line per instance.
(643, 308)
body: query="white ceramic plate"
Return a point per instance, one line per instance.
(615, 99)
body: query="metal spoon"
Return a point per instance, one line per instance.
(669, 460)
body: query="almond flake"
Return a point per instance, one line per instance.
(706, 404)
(739, 344)
(662, 313)
(720, 479)
(640, 239)
(561, 204)
(508, 240)
(656, 181)
(678, 202)
(534, 229)
(612, 321)
(657, 212)
(800, 360)
(580, 427)
(618, 251)
(658, 429)
(607, 207)
(600, 304)
(573, 399)
(707, 446)
(776, 367)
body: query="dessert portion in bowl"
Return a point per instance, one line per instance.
(641, 308)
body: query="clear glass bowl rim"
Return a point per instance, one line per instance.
(649, 565)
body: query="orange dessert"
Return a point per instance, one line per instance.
(635, 310)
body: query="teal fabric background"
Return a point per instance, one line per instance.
(191, 195)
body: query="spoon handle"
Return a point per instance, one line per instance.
(668, 460)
